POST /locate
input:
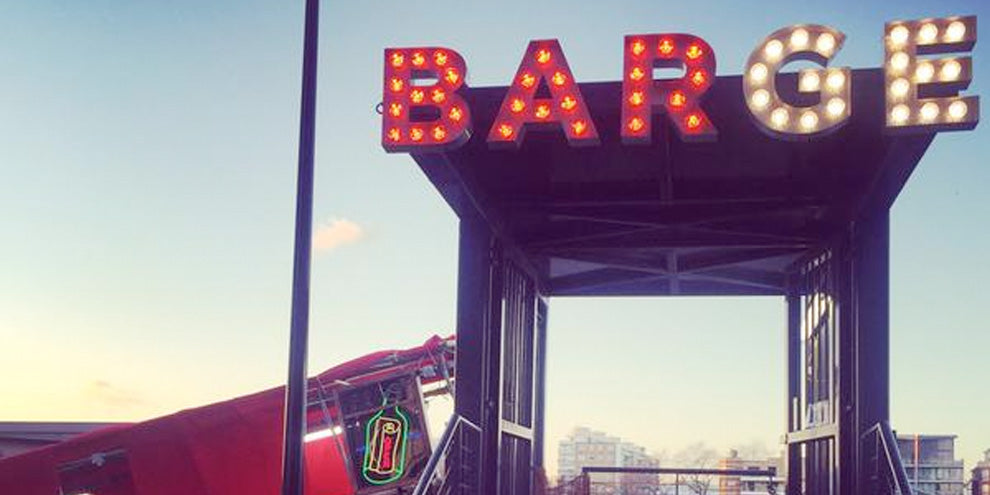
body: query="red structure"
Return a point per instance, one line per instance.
(231, 447)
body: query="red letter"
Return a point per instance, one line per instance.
(424, 118)
(680, 98)
(543, 63)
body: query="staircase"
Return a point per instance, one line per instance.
(455, 466)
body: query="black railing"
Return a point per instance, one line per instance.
(454, 468)
(646, 480)
(882, 461)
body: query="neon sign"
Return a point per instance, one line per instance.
(922, 94)
(386, 436)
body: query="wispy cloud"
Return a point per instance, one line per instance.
(335, 233)
(106, 394)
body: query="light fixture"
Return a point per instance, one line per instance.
(929, 111)
(900, 113)
(927, 33)
(951, 70)
(324, 433)
(830, 86)
(958, 109)
(899, 35)
(899, 61)
(955, 32)
(899, 88)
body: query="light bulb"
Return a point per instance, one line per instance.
(758, 73)
(899, 88)
(951, 70)
(809, 120)
(955, 32)
(810, 81)
(899, 35)
(929, 111)
(825, 43)
(780, 117)
(836, 80)
(927, 33)
(958, 109)
(760, 98)
(924, 72)
(899, 61)
(900, 114)
(835, 107)
(799, 39)
(773, 49)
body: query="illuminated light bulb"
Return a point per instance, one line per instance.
(927, 33)
(416, 134)
(900, 87)
(899, 35)
(666, 47)
(542, 111)
(955, 32)
(698, 78)
(799, 39)
(836, 80)
(929, 111)
(396, 84)
(835, 107)
(636, 124)
(900, 114)
(677, 99)
(809, 120)
(394, 134)
(958, 109)
(517, 105)
(395, 109)
(579, 126)
(693, 121)
(558, 78)
(506, 130)
(451, 75)
(543, 56)
(440, 58)
(636, 74)
(417, 96)
(810, 81)
(825, 43)
(456, 114)
(694, 52)
(924, 72)
(773, 49)
(780, 117)
(758, 73)
(637, 47)
(568, 103)
(636, 98)
(438, 96)
(951, 70)
(398, 59)
(899, 61)
(439, 133)
(527, 80)
(418, 59)
(760, 98)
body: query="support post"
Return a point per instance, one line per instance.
(539, 389)
(871, 293)
(295, 390)
(794, 357)
(479, 297)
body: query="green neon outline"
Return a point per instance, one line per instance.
(401, 470)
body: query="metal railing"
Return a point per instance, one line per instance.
(454, 468)
(647, 480)
(887, 473)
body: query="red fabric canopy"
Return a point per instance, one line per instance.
(231, 447)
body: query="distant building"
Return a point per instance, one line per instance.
(981, 475)
(586, 447)
(19, 437)
(751, 485)
(932, 467)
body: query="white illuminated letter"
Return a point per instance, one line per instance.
(923, 94)
(811, 42)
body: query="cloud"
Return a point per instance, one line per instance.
(106, 394)
(335, 233)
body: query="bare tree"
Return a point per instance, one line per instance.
(697, 456)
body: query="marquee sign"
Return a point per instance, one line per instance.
(422, 110)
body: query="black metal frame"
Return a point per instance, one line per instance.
(746, 215)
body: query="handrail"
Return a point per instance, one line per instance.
(895, 466)
(455, 422)
(772, 471)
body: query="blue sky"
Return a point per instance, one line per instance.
(147, 169)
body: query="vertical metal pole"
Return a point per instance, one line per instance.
(793, 458)
(295, 390)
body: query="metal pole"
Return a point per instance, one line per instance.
(295, 390)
